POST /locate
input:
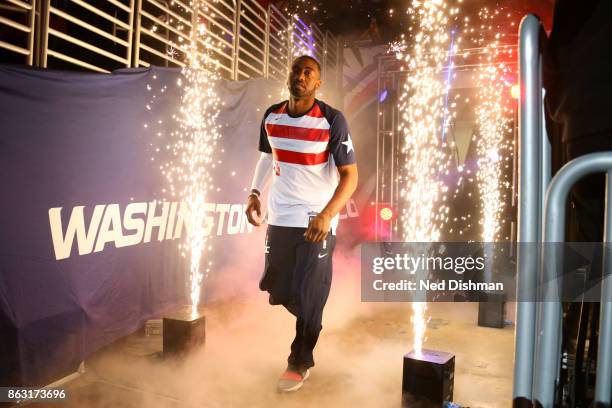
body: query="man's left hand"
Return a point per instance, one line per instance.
(318, 228)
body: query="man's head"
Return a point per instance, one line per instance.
(304, 78)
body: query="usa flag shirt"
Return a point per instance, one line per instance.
(307, 151)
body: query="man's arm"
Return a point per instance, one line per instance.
(319, 226)
(263, 170)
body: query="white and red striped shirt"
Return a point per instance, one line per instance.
(307, 151)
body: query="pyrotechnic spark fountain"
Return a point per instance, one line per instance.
(419, 326)
(423, 112)
(193, 144)
(493, 117)
(197, 141)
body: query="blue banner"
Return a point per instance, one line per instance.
(89, 242)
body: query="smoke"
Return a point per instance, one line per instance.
(247, 343)
(358, 357)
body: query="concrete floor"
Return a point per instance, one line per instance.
(358, 358)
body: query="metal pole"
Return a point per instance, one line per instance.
(549, 353)
(603, 383)
(545, 160)
(236, 59)
(195, 16)
(137, 25)
(545, 176)
(192, 33)
(289, 43)
(45, 33)
(130, 36)
(31, 33)
(514, 194)
(529, 217)
(38, 14)
(266, 70)
(378, 138)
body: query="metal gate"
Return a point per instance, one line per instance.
(542, 206)
(104, 35)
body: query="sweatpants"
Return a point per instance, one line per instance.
(298, 275)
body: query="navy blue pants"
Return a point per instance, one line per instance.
(298, 275)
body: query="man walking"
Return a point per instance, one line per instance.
(307, 150)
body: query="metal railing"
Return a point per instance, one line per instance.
(17, 22)
(548, 352)
(532, 185)
(250, 56)
(538, 329)
(161, 33)
(108, 31)
(248, 40)
(332, 61)
(279, 44)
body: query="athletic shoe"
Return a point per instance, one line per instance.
(292, 380)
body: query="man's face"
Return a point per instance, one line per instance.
(304, 78)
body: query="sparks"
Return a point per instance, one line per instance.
(398, 48)
(199, 112)
(193, 145)
(419, 325)
(424, 116)
(493, 119)
(423, 112)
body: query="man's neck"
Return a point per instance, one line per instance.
(299, 107)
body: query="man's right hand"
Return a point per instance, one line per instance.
(253, 205)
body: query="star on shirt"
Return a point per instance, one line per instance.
(349, 145)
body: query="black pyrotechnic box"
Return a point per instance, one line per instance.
(491, 310)
(428, 378)
(183, 332)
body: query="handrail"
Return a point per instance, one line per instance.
(549, 345)
(603, 382)
(530, 197)
(538, 330)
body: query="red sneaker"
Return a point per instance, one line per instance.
(292, 380)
